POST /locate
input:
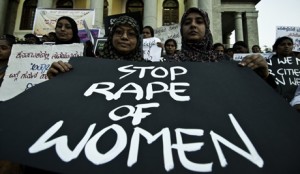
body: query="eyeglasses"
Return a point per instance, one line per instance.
(129, 33)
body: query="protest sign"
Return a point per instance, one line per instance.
(151, 52)
(169, 32)
(45, 19)
(240, 56)
(292, 32)
(28, 65)
(91, 35)
(110, 116)
(99, 45)
(287, 74)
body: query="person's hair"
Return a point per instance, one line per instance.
(256, 46)
(216, 45)
(75, 38)
(240, 43)
(228, 50)
(10, 39)
(171, 40)
(29, 35)
(279, 40)
(151, 30)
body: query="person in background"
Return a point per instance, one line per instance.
(31, 39)
(256, 49)
(170, 49)
(89, 49)
(148, 32)
(283, 47)
(123, 43)
(240, 47)
(219, 48)
(45, 38)
(52, 36)
(6, 43)
(228, 54)
(66, 31)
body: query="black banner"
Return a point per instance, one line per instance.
(109, 116)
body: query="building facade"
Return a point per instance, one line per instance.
(17, 16)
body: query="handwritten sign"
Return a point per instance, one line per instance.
(240, 56)
(137, 117)
(287, 74)
(28, 65)
(169, 32)
(45, 19)
(292, 32)
(151, 51)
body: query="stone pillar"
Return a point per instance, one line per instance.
(206, 5)
(191, 3)
(44, 4)
(3, 9)
(252, 28)
(239, 27)
(98, 5)
(150, 13)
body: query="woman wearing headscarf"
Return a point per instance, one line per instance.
(66, 31)
(197, 42)
(196, 38)
(124, 41)
(284, 59)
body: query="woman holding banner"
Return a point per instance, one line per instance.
(123, 43)
(197, 42)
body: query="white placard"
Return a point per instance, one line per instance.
(45, 19)
(28, 65)
(151, 51)
(292, 32)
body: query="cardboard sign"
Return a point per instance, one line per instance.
(151, 52)
(108, 116)
(28, 65)
(45, 19)
(292, 32)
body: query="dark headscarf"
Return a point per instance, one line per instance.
(111, 53)
(200, 51)
(75, 38)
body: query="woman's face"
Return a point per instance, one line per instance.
(64, 30)
(5, 50)
(170, 48)
(193, 28)
(146, 33)
(285, 48)
(124, 39)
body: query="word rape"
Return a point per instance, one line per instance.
(176, 91)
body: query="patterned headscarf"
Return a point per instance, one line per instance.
(200, 51)
(110, 52)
